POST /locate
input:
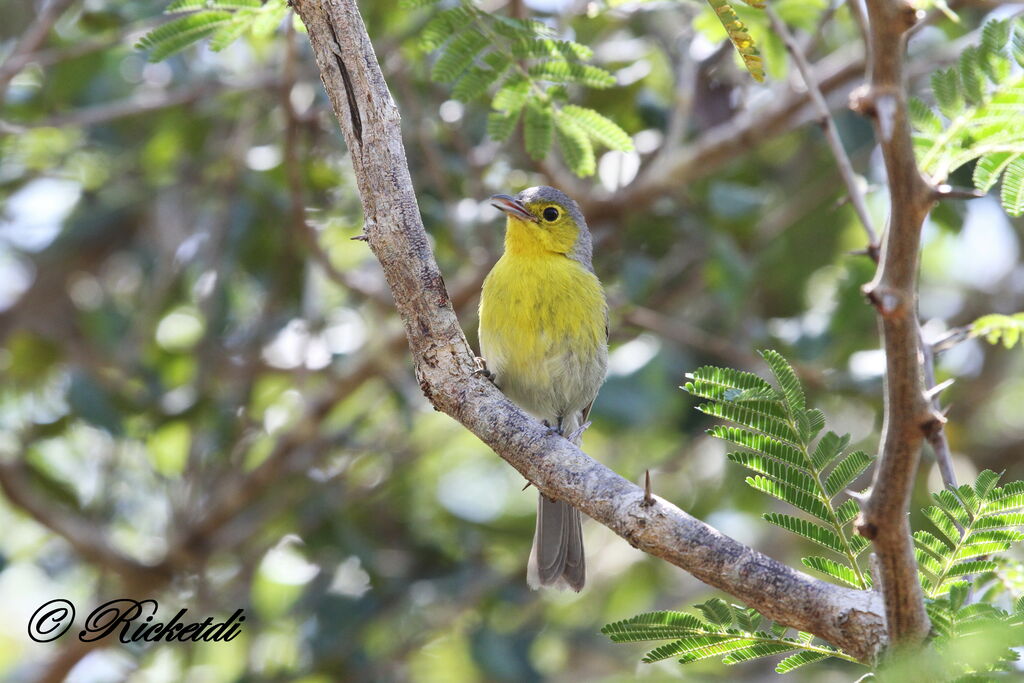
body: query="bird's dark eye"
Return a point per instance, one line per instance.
(551, 214)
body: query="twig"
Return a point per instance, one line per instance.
(936, 435)
(893, 291)
(31, 39)
(828, 124)
(444, 366)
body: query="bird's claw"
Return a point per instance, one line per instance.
(481, 369)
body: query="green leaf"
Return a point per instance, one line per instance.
(809, 530)
(512, 96)
(795, 497)
(599, 127)
(748, 417)
(178, 34)
(576, 147)
(799, 659)
(775, 469)
(995, 35)
(948, 531)
(829, 447)
(848, 469)
(832, 568)
(791, 389)
(973, 567)
(1012, 195)
(560, 71)
(970, 75)
(958, 591)
(232, 31)
(747, 619)
(697, 647)
(946, 86)
(987, 480)
(538, 129)
(728, 377)
(444, 25)
(458, 54)
(995, 327)
(757, 651)
(192, 5)
(654, 626)
(500, 126)
(991, 166)
(1017, 46)
(922, 116)
(760, 443)
(847, 512)
(532, 48)
(477, 80)
(716, 611)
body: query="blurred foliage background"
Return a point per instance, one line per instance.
(205, 391)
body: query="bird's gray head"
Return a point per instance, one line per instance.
(545, 219)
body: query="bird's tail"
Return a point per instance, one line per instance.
(556, 558)
(557, 555)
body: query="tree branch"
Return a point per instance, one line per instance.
(31, 38)
(444, 366)
(893, 292)
(937, 435)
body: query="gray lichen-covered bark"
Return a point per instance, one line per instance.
(369, 120)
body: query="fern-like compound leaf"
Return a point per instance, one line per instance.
(799, 659)
(178, 34)
(809, 530)
(717, 612)
(561, 71)
(655, 626)
(538, 129)
(832, 568)
(577, 150)
(599, 127)
(1012, 194)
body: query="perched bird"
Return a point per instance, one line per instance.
(544, 338)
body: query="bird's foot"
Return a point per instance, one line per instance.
(553, 430)
(575, 434)
(481, 369)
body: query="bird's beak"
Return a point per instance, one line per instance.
(513, 207)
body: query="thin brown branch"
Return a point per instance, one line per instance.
(142, 103)
(84, 537)
(828, 125)
(444, 366)
(936, 435)
(31, 38)
(893, 291)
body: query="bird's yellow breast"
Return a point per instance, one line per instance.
(543, 330)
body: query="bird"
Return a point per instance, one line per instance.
(544, 342)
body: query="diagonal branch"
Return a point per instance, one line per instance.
(893, 292)
(31, 38)
(444, 365)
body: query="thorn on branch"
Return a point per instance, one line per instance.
(934, 423)
(648, 496)
(527, 485)
(862, 101)
(866, 528)
(885, 300)
(938, 389)
(360, 238)
(945, 191)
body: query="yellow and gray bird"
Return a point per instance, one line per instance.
(544, 337)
